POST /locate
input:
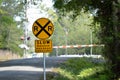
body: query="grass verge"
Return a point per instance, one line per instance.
(82, 69)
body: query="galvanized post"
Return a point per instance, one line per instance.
(44, 64)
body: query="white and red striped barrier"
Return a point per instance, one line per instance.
(77, 46)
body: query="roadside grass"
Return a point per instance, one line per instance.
(82, 69)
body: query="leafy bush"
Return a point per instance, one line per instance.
(82, 69)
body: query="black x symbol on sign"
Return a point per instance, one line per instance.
(43, 28)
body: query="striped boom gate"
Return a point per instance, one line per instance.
(77, 46)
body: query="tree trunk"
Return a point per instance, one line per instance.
(110, 25)
(113, 44)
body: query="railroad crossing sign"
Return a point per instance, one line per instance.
(43, 46)
(42, 28)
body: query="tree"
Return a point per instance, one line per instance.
(9, 33)
(107, 14)
(69, 32)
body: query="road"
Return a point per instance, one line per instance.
(28, 69)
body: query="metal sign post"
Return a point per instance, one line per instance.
(44, 64)
(43, 28)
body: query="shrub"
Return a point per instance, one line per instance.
(82, 69)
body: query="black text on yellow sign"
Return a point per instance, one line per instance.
(42, 28)
(43, 46)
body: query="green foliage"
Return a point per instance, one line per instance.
(9, 33)
(12, 7)
(106, 14)
(95, 73)
(80, 64)
(6, 20)
(82, 69)
(77, 32)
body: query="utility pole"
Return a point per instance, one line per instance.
(25, 26)
(91, 42)
(56, 52)
(66, 33)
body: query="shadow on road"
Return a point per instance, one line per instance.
(27, 69)
(20, 75)
(35, 62)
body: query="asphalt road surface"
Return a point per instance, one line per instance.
(28, 69)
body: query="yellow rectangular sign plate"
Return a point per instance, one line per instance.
(43, 46)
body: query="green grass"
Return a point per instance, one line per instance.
(82, 69)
